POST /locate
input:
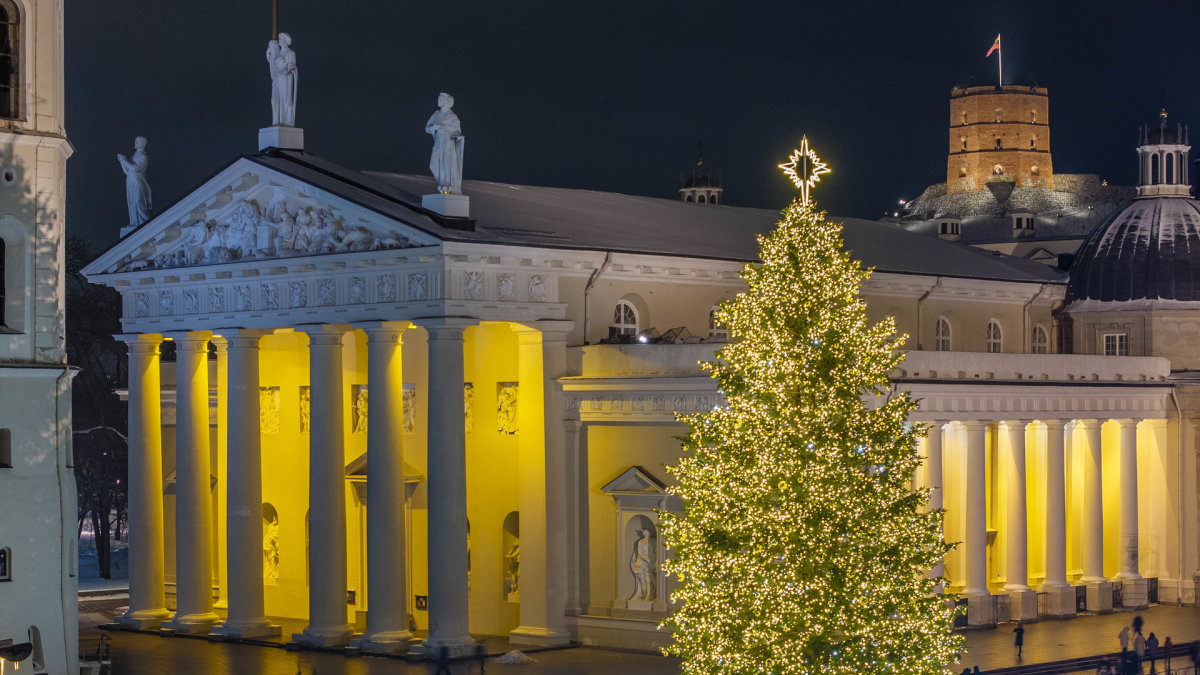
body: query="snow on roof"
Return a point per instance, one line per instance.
(550, 217)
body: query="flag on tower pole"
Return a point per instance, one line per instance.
(996, 48)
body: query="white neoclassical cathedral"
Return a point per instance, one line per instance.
(381, 407)
(38, 557)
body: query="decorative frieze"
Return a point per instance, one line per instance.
(327, 292)
(270, 295)
(242, 300)
(473, 285)
(216, 299)
(297, 294)
(537, 288)
(385, 288)
(141, 303)
(191, 301)
(418, 286)
(504, 286)
(357, 291)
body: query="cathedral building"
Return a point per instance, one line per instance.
(38, 556)
(379, 406)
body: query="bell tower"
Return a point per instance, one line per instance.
(1163, 160)
(999, 134)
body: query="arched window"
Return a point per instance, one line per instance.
(1040, 341)
(1170, 173)
(964, 117)
(995, 338)
(10, 81)
(716, 332)
(1033, 117)
(941, 335)
(625, 321)
(1154, 169)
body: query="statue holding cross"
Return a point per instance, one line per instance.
(282, 63)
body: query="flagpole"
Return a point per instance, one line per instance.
(1001, 59)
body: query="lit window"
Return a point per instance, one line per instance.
(716, 331)
(997, 114)
(941, 335)
(1033, 117)
(1116, 344)
(1041, 341)
(998, 169)
(625, 320)
(995, 338)
(9, 63)
(964, 142)
(964, 117)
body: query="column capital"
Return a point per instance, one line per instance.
(1055, 425)
(445, 327)
(971, 425)
(383, 331)
(323, 333)
(1015, 421)
(191, 340)
(1088, 423)
(141, 343)
(1126, 421)
(244, 338)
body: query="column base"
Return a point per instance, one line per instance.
(384, 642)
(981, 609)
(1135, 593)
(191, 623)
(1022, 605)
(432, 647)
(1060, 601)
(542, 637)
(1099, 597)
(143, 619)
(334, 636)
(238, 630)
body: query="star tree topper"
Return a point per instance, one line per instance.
(805, 169)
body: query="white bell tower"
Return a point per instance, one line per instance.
(38, 548)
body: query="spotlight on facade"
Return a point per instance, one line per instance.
(15, 652)
(648, 336)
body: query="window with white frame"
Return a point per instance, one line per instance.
(1041, 341)
(10, 85)
(625, 321)
(995, 337)
(1116, 344)
(716, 331)
(941, 335)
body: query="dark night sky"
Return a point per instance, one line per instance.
(612, 96)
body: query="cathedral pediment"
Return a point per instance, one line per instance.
(250, 212)
(635, 479)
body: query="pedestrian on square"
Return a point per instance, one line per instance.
(1019, 640)
(1123, 636)
(976, 671)
(1152, 650)
(1137, 624)
(1139, 648)
(1167, 653)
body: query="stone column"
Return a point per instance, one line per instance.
(1061, 594)
(1024, 600)
(1134, 587)
(193, 487)
(447, 488)
(387, 616)
(933, 480)
(1099, 593)
(327, 625)
(575, 440)
(244, 543)
(542, 359)
(147, 600)
(976, 590)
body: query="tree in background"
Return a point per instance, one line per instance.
(99, 416)
(801, 547)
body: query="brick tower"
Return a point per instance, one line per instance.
(999, 134)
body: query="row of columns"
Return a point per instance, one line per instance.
(542, 354)
(1012, 462)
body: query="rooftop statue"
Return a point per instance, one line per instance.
(282, 62)
(446, 163)
(137, 190)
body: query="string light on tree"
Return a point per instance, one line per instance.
(801, 548)
(804, 168)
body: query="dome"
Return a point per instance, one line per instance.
(1147, 254)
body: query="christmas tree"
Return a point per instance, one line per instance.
(802, 547)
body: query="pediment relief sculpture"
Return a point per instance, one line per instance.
(286, 227)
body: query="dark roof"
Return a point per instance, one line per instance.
(699, 178)
(1148, 251)
(1165, 134)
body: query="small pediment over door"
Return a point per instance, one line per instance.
(637, 488)
(249, 212)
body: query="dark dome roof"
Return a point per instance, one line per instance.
(700, 178)
(1149, 251)
(1166, 135)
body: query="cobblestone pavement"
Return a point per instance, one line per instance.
(141, 653)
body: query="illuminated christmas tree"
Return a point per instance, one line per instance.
(802, 547)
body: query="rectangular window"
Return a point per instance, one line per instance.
(1116, 344)
(5, 448)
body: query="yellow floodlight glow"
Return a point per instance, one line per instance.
(804, 169)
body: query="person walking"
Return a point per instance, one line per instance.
(1137, 624)
(1139, 650)
(1123, 636)
(1152, 651)
(1019, 640)
(1167, 653)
